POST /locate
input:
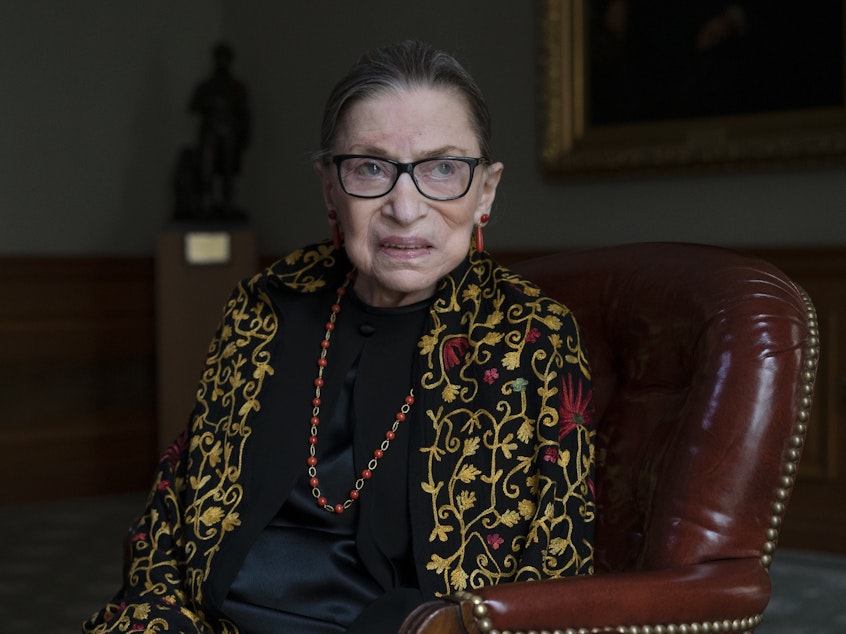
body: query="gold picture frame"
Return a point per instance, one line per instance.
(573, 145)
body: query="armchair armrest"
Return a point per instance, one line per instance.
(728, 595)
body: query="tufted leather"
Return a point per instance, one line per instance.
(703, 365)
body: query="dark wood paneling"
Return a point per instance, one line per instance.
(77, 384)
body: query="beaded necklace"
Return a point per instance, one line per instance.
(314, 421)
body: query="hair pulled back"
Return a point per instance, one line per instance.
(401, 67)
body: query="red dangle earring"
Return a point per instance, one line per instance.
(480, 240)
(337, 236)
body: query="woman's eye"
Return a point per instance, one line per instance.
(444, 168)
(370, 169)
(438, 169)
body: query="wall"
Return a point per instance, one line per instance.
(94, 112)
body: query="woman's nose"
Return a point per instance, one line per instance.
(405, 202)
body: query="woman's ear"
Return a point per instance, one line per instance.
(493, 173)
(327, 183)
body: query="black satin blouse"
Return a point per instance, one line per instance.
(314, 572)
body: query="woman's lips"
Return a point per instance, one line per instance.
(405, 247)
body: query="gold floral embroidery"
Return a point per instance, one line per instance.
(498, 513)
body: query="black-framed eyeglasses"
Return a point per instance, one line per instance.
(438, 178)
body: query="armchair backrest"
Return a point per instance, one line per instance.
(695, 353)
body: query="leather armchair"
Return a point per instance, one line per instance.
(703, 364)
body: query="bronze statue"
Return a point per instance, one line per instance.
(205, 175)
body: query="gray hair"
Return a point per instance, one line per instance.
(400, 67)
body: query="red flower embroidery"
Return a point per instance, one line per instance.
(533, 335)
(162, 485)
(173, 452)
(454, 349)
(551, 454)
(120, 607)
(576, 408)
(137, 537)
(494, 540)
(491, 375)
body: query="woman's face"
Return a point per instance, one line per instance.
(403, 243)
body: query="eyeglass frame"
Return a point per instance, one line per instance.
(408, 168)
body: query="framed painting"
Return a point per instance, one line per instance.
(662, 85)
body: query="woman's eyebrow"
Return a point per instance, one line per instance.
(447, 150)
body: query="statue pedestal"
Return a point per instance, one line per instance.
(197, 267)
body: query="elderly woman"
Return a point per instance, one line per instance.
(382, 419)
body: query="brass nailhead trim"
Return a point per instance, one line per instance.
(800, 428)
(743, 626)
(480, 611)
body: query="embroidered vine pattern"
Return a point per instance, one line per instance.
(522, 505)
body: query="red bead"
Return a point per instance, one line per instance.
(312, 440)
(378, 454)
(339, 508)
(313, 482)
(325, 344)
(315, 402)
(366, 474)
(409, 400)
(330, 326)
(400, 417)
(342, 291)
(390, 435)
(318, 382)
(322, 362)
(312, 461)
(321, 502)
(484, 218)
(336, 308)
(353, 494)
(315, 420)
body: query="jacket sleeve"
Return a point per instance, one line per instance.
(192, 504)
(560, 538)
(507, 438)
(154, 597)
